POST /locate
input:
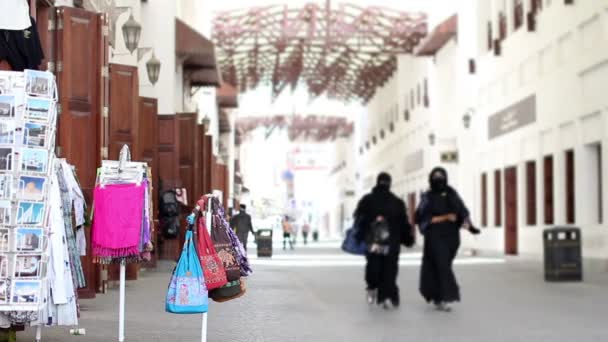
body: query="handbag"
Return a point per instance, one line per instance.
(187, 293)
(240, 253)
(213, 268)
(223, 246)
(351, 245)
(230, 291)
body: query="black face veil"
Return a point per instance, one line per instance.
(438, 179)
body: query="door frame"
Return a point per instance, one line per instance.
(511, 203)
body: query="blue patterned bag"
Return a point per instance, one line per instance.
(187, 293)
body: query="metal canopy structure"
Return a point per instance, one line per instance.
(346, 52)
(300, 128)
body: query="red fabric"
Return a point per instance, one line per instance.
(213, 268)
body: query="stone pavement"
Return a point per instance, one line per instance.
(316, 295)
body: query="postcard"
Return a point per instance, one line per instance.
(27, 266)
(33, 160)
(29, 239)
(26, 291)
(7, 106)
(31, 188)
(39, 83)
(30, 213)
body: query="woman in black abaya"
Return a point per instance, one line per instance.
(440, 216)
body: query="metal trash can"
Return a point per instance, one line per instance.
(563, 256)
(264, 241)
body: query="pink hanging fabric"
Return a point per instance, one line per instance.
(117, 222)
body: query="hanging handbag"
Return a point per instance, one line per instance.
(225, 250)
(241, 254)
(350, 244)
(230, 291)
(213, 268)
(187, 293)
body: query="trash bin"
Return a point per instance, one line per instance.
(315, 236)
(264, 240)
(563, 258)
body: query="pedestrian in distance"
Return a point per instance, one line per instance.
(287, 231)
(440, 216)
(241, 223)
(305, 232)
(384, 226)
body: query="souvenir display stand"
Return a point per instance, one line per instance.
(27, 142)
(123, 171)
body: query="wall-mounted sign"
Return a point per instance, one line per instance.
(449, 157)
(514, 117)
(414, 161)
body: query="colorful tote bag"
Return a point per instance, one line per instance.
(225, 250)
(230, 291)
(241, 254)
(213, 268)
(187, 293)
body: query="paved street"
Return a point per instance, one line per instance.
(315, 295)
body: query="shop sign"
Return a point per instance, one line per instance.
(512, 118)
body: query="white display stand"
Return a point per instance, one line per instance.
(123, 171)
(28, 115)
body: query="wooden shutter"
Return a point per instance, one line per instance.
(548, 189)
(531, 193)
(484, 200)
(187, 145)
(570, 188)
(124, 108)
(79, 38)
(497, 199)
(148, 137)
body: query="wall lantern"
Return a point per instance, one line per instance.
(153, 68)
(432, 139)
(131, 32)
(206, 122)
(466, 118)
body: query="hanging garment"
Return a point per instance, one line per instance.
(117, 221)
(21, 48)
(71, 182)
(67, 205)
(187, 293)
(14, 15)
(61, 305)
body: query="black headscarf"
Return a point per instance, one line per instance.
(383, 182)
(438, 180)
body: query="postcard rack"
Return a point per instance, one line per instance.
(28, 115)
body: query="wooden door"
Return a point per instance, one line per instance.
(148, 111)
(44, 13)
(411, 208)
(511, 211)
(124, 107)
(207, 165)
(79, 38)
(548, 189)
(168, 173)
(187, 149)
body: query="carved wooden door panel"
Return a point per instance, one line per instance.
(124, 107)
(187, 147)
(79, 38)
(148, 137)
(168, 172)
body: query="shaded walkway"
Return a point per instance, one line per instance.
(503, 301)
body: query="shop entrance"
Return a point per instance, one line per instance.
(511, 211)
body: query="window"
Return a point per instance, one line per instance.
(502, 26)
(418, 94)
(412, 100)
(518, 14)
(536, 5)
(531, 193)
(570, 188)
(484, 199)
(601, 184)
(490, 38)
(426, 93)
(548, 189)
(497, 199)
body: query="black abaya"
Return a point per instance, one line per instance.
(442, 240)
